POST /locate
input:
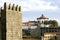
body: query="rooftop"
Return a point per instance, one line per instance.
(42, 17)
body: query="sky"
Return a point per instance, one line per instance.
(33, 9)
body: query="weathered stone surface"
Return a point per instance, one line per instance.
(11, 23)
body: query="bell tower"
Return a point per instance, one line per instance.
(41, 20)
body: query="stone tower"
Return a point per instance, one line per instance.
(11, 22)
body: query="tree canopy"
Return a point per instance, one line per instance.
(53, 23)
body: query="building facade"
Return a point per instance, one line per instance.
(41, 20)
(44, 31)
(11, 22)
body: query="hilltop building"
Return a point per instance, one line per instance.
(41, 21)
(30, 24)
(10, 22)
(44, 32)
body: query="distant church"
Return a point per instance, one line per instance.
(39, 22)
(10, 22)
(43, 31)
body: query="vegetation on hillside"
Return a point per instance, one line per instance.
(53, 23)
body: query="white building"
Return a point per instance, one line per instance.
(41, 21)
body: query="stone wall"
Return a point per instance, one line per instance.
(11, 22)
(31, 39)
(48, 36)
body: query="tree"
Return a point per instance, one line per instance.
(54, 23)
(50, 21)
(46, 22)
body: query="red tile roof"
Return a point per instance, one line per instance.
(42, 17)
(25, 24)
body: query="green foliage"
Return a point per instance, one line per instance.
(50, 21)
(46, 22)
(53, 23)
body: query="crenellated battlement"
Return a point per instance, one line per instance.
(12, 7)
(10, 22)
